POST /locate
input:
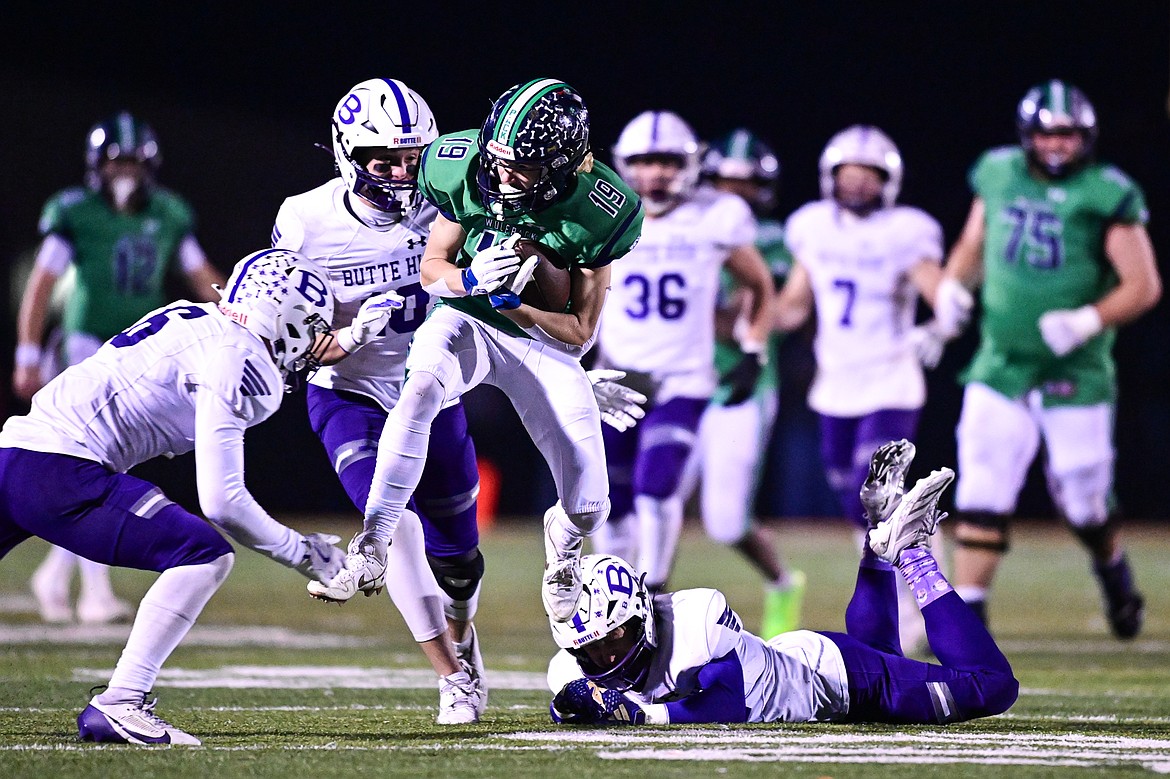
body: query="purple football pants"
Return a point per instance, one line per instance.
(847, 443)
(110, 518)
(349, 426)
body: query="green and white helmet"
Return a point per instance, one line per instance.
(542, 123)
(1052, 107)
(120, 136)
(741, 155)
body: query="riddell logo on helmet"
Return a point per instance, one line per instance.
(236, 316)
(499, 149)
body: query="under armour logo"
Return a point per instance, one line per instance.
(412, 242)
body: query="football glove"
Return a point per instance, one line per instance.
(370, 321)
(1066, 329)
(620, 406)
(491, 267)
(582, 702)
(952, 307)
(743, 378)
(507, 295)
(322, 561)
(928, 344)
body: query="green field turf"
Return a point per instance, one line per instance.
(278, 685)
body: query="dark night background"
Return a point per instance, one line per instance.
(240, 92)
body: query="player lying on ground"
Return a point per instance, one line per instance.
(187, 376)
(683, 657)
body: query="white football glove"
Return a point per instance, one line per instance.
(491, 267)
(928, 343)
(952, 307)
(1065, 329)
(369, 321)
(322, 561)
(507, 296)
(620, 406)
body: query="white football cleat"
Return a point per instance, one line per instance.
(104, 611)
(558, 545)
(472, 661)
(914, 520)
(561, 589)
(129, 723)
(52, 599)
(365, 572)
(458, 699)
(883, 487)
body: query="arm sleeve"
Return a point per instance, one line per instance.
(191, 254)
(55, 254)
(219, 469)
(719, 698)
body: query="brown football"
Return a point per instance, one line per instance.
(551, 282)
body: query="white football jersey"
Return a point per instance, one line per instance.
(795, 677)
(659, 317)
(135, 399)
(359, 262)
(865, 302)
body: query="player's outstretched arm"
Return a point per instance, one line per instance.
(747, 265)
(576, 328)
(202, 277)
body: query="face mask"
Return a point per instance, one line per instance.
(122, 188)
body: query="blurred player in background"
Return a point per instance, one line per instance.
(1059, 244)
(631, 658)
(659, 327)
(527, 172)
(190, 376)
(734, 439)
(120, 234)
(861, 262)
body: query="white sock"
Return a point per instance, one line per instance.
(167, 612)
(660, 523)
(95, 581)
(411, 583)
(971, 592)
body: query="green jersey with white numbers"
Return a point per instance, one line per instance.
(598, 221)
(121, 259)
(1044, 249)
(770, 242)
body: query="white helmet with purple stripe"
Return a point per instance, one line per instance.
(659, 135)
(863, 144)
(277, 295)
(378, 114)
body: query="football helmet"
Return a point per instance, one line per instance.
(544, 124)
(121, 136)
(658, 134)
(863, 144)
(277, 295)
(613, 595)
(1051, 107)
(742, 155)
(376, 114)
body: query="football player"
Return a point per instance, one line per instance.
(527, 171)
(114, 241)
(630, 658)
(733, 439)
(862, 260)
(659, 327)
(1059, 243)
(186, 376)
(365, 230)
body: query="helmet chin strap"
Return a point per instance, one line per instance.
(374, 218)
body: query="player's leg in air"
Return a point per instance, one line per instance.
(117, 519)
(619, 535)
(732, 441)
(973, 678)
(349, 426)
(1079, 468)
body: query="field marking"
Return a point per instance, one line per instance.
(200, 635)
(304, 677)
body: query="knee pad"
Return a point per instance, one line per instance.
(459, 577)
(588, 521)
(422, 396)
(984, 520)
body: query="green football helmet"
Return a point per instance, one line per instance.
(1052, 107)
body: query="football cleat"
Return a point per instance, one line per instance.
(468, 653)
(458, 699)
(52, 600)
(561, 589)
(103, 611)
(914, 520)
(365, 572)
(1126, 617)
(884, 485)
(557, 544)
(782, 606)
(129, 723)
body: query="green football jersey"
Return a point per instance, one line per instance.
(598, 221)
(121, 259)
(1044, 249)
(770, 242)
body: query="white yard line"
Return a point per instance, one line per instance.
(307, 677)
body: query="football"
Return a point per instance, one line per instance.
(551, 281)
